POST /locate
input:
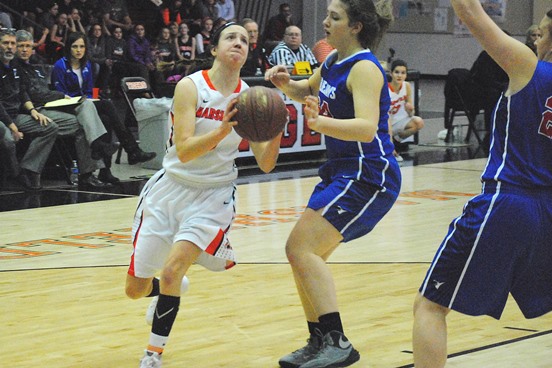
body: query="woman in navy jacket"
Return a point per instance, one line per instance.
(72, 75)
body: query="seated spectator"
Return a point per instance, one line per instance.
(47, 17)
(31, 124)
(276, 27)
(58, 35)
(185, 43)
(90, 12)
(115, 13)
(173, 28)
(203, 38)
(321, 50)
(97, 56)
(256, 58)
(86, 130)
(72, 75)
(39, 45)
(175, 11)
(208, 9)
(165, 53)
(226, 10)
(74, 20)
(291, 50)
(403, 123)
(139, 52)
(532, 34)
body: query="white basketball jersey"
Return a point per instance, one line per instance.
(217, 167)
(397, 111)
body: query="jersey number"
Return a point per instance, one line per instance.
(545, 127)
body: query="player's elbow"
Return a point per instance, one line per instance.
(267, 167)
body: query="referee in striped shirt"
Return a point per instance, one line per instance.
(291, 50)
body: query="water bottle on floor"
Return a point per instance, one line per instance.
(74, 175)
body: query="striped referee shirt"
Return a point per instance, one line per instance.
(283, 55)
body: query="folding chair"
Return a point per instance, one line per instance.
(460, 97)
(133, 87)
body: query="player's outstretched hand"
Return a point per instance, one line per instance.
(278, 75)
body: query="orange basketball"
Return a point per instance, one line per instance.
(262, 114)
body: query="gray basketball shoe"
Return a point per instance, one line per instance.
(336, 351)
(303, 355)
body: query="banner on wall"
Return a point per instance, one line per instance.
(297, 136)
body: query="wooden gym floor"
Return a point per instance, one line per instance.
(62, 272)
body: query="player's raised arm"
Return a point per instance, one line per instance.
(517, 60)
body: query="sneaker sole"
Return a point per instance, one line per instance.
(353, 357)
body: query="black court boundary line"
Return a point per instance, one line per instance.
(491, 346)
(240, 263)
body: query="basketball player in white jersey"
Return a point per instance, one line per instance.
(186, 209)
(404, 123)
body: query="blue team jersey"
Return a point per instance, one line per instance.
(364, 161)
(521, 147)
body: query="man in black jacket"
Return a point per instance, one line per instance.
(23, 120)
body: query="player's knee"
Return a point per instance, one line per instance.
(423, 305)
(133, 292)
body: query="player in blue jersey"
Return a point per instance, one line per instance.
(501, 242)
(347, 100)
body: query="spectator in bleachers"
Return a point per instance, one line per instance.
(256, 58)
(276, 27)
(98, 57)
(532, 34)
(226, 9)
(58, 36)
(186, 43)
(87, 131)
(74, 20)
(39, 46)
(208, 9)
(203, 38)
(48, 18)
(90, 12)
(72, 75)
(292, 49)
(115, 13)
(165, 52)
(176, 11)
(117, 60)
(139, 52)
(28, 125)
(173, 28)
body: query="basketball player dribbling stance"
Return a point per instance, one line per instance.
(501, 243)
(361, 178)
(186, 209)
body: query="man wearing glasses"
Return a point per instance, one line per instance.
(22, 119)
(292, 49)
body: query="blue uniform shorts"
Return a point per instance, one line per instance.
(353, 207)
(501, 244)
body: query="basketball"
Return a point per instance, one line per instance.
(262, 114)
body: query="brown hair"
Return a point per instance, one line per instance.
(375, 19)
